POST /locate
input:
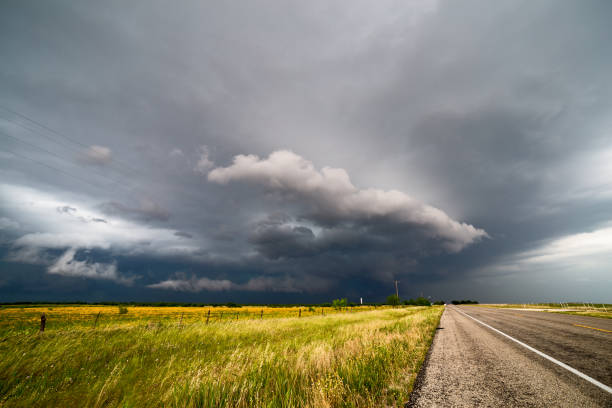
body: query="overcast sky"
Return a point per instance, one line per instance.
(300, 151)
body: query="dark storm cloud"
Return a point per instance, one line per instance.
(277, 240)
(350, 222)
(468, 117)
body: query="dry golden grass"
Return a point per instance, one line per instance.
(66, 315)
(357, 359)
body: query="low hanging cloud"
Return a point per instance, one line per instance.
(284, 284)
(194, 285)
(67, 265)
(204, 163)
(328, 199)
(97, 155)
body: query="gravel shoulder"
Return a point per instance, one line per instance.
(469, 365)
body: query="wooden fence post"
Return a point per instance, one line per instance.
(300, 313)
(181, 321)
(96, 322)
(43, 322)
(261, 316)
(237, 315)
(208, 316)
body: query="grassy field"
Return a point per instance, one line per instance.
(155, 357)
(580, 309)
(27, 317)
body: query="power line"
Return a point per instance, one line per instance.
(56, 133)
(107, 177)
(77, 151)
(42, 126)
(54, 168)
(40, 131)
(117, 182)
(94, 185)
(37, 132)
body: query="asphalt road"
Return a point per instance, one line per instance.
(470, 365)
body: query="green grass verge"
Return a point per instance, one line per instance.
(603, 311)
(604, 315)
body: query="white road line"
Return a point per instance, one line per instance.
(546, 356)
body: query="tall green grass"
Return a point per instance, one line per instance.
(358, 359)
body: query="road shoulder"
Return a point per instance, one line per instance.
(470, 365)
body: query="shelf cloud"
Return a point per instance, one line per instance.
(327, 198)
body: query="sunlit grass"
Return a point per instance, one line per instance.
(591, 313)
(580, 309)
(60, 316)
(360, 359)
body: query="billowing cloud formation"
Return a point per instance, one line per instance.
(67, 265)
(98, 155)
(328, 198)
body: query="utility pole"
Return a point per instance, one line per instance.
(396, 290)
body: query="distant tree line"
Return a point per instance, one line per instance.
(394, 300)
(340, 303)
(420, 301)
